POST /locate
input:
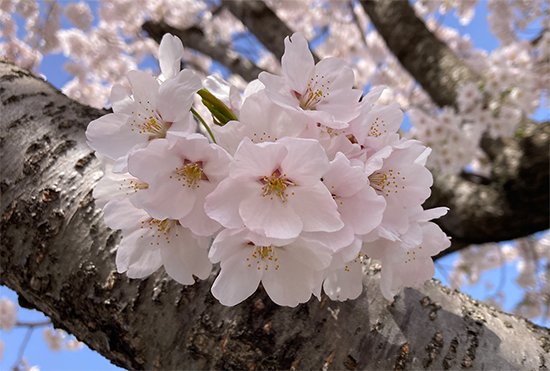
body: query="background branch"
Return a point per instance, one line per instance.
(195, 38)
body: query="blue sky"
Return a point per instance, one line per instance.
(37, 352)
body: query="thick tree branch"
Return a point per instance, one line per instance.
(194, 38)
(268, 28)
(515, 204)
(429, 60)
(57, 253)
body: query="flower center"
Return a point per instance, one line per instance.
(148, 121)
(159, 229)
(387, 183)
(132, 185)
(276, 185)
(190, 174)
(262, 256)
(317, 89)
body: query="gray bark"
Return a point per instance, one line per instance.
(59, 257)
(194, 38)
(263, 23)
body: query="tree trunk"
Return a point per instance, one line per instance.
(59, 256)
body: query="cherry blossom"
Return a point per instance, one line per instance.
(323, 91)
(246, 259)
(152, 111)
(275, 189)
(149, 243)
(179, 177)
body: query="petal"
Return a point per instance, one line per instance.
(145, 87)
(236, 280)
(254, 161)
(268, 215)
(197, 220)
(297, 63)
(306, 161)
(183, 257)
(176, 95)
(316, 208)
(112, 136)
(223, 203)
(170, 54)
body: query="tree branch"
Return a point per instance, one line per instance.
(263, 23)
(429, 60)
(194, 38)
(57, 253)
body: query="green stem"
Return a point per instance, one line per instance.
(196, 114)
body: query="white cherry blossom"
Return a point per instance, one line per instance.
(246, 259)
(275, 189)
(323, 91)
(149, 243)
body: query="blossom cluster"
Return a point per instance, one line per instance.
(291, 184)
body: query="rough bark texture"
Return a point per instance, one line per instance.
(194, 38)
(263, 23)
(429, 60)
(59, 256)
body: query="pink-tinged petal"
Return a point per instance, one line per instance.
(121, 214)
(311, 253)
(306, 161)
(301, 262)
(185, 125)
(374, 93)
(376, 161)
(166, 200)
(223, 203)
(434, 239)
(111, 135)
(281, 284)
(229, 136)
(387, 282)
(316, 208)
(170, 54)
(362, 211)
(297, 62)
(413, 237)
(283, 289)
(278, 92)
(219, 87)
(176, 95)
(197, 220)
(144, 263)
(183, 257)
(228, 243)
(145, 88)
(217, 168)
(379, 121)
(120, 100)
(270, 216)
(431, 214)
(334, 240)
(254, 161)
(335, 74)
(236, 281)
(135, 258)
(345, 283)
(343, 179)
(153, 161)
(343, 107)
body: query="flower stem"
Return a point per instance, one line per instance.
(196, 114)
